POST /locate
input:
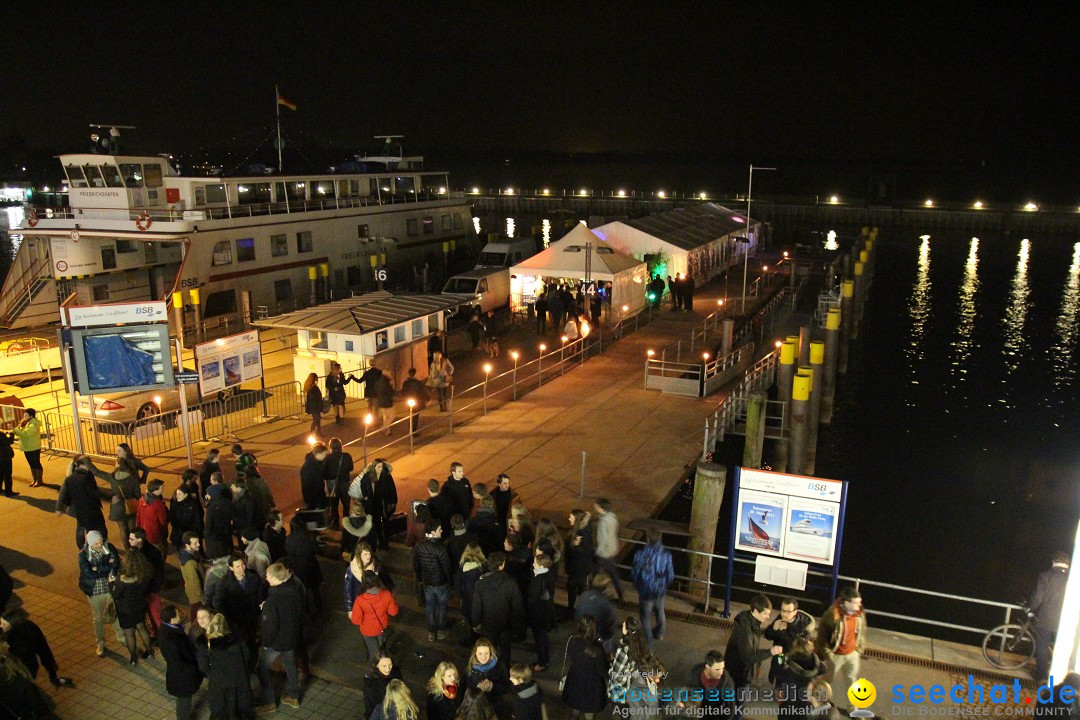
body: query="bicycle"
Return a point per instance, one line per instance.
(1011, 645)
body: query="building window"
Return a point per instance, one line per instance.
(446, 222)
(410, 227)
(303, 242)
(282, 290)
(279, 245)
(222, 253)
(433, 323)
(348, 346)
(417, 328)
(429, 225)
(399, 334)
(362, 232)
(381, 341)
(318, 340)
(245, 249)
(108, 258)
(457, 222)
(219, 303)
(127, 246)
(101, 293)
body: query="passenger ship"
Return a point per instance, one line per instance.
(136, 230)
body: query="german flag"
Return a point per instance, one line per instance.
(287, 103)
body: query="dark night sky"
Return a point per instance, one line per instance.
(942, 84)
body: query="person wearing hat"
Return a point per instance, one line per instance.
(99, 561)
(354, 528)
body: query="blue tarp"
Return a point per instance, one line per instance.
(112, 362)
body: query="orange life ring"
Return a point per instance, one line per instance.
(143, 222)
(32, 218)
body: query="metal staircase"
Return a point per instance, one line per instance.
(29, 273)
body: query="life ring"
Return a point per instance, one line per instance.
(32, 218)
(143, 222)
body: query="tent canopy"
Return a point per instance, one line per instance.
(567, 258)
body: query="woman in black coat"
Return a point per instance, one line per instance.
(220, 519)
(585, 692)
(380, 499)
(383, 670)
(183, 677)
(578, 550)
(130, 598)
(229, 694)
(313, 403)
(302, 552)
(185, 515)
(335, 390)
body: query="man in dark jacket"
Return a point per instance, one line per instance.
(27, 643)
(743, 655)
(182, 674)
(485, 526)
(596, 602)
(1046, 604)
(384, 396)
(79, 497)
(312, 485)
(497, 606)
(460, 540)
(211, 465)
(302, 555)
(137, 540)
(238, 596)
(415, 390)
(519, 561)
(712, 688)
(338, 472)
(458, 490)
(246, 511)
(283, 615)
(540, 602)
(370, 378)
(791, 624)
(434, 573)
(440, 507)
(504, 498)
(220, 519)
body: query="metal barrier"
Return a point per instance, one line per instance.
(673, 378)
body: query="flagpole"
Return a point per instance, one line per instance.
(277, 110)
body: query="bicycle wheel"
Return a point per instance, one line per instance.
(1008, 646)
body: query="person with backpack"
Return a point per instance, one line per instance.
(652, 573)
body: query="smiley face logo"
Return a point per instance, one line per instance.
(862, 693)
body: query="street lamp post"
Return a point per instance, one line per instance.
(514, 354)
(487, 374)
(746, 251)
(363, 443)
(412, 428)
(540, 365)
(562, 368)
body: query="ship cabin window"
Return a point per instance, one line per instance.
(220, 303)
(108, 258)
(446, 222)
(152, 173)
(112, 176)
(303, 242)
(373, 186)
(386, 185)
(75, 176)
(215, 194)
(127, 246)
(295, 190)
(457, 221)
(283, 290)
(93, 176)
(253, 193)
(410, 227)
(245, 250)
(354, 188)
(429, 225)
(362, 232)
(404, 185)
(321, 189)
(399, 334)
(343, 188)
(222, 253)
(132, 174)
(101, 293)
(279, 245)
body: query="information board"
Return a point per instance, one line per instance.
(121, 359)
(115, 313)
(790, 516)
(228, 361)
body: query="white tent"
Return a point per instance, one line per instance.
(581, 255)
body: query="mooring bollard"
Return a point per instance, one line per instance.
(832, 349)
(847, 306)
(800, 409)
(817, 367)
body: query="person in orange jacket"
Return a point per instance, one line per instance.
(372, 611)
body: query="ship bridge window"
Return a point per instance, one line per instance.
(250, 194)
(93, 176)
(112, 176)
(405, 184)
(223, 253)
(295, 190)
(75, 176)
(214, 194)
(132, 174)
(322, 189)
(152, 173)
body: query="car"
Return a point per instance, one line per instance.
(135, 406)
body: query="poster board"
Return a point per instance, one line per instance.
(127, 358)
(791, 516)
(228, 362)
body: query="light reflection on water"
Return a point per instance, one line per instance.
(919, 306)
(963, 344)
(545, 227)
(1065, 345)
(1016, 312)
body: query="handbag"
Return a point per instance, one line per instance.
(565, 657)
(108, 613)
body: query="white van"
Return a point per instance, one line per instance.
(490, 287)
(505, 253)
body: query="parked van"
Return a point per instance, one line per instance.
(505, 253)
(490, 287)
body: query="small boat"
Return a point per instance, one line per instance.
(757, 530)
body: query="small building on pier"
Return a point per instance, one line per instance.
(699, 240)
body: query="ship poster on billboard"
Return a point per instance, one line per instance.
(227, 362)
(811, 531)
(761, 522)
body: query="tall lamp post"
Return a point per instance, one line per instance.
(746, 251)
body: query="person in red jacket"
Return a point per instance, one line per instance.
(372, 611)
(152, 515)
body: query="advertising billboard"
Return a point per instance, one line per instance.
(130, 358)
(229, 361)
